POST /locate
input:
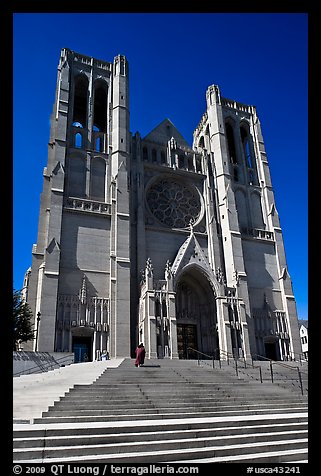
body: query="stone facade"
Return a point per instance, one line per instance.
(149, 239)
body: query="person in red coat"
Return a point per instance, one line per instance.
(140, 355)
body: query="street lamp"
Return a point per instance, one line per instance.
(37, 330)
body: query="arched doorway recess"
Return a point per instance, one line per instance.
(196, 315)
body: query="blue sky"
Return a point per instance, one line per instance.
(255, 58)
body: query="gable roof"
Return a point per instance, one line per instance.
(162, 133)
(190, 252)
(303, 322)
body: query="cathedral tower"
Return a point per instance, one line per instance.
(79, 280)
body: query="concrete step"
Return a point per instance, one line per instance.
(123, 401)
(76, 405)
(176, 391)
(280, 456)
(64, 438)
(189, 439)
(164, 410)
(154, 414)
(168, 412)
(241, 440)
(43, 429)
(150, 455)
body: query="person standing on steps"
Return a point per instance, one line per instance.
(105, 355)
(140, 355)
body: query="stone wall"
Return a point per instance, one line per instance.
(37, 362)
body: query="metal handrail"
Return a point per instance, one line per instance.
(300, 355)
(278, 362)
(229, 354)
(262, 357)
(202, 353)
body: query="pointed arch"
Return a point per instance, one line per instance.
(196, 313)
(246, 145)
(78, 140)
(201, 142)
(100, 104)
(197, 268)
(229, 130)
(80, 108)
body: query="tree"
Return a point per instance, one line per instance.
(22, 326)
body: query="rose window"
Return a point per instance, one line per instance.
(173, 203)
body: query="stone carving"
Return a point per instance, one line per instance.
(173, 144)
(168, 270)
(83, 291)
(174, 203)
(149, 268)
(142, 277)
(236, 277)
(220, 276)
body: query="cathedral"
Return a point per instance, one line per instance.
(149, 239)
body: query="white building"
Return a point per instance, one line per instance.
(304, 339)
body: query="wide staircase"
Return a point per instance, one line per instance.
(173, 411)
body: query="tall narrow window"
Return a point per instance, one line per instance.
(100, 105)
(230, 143)
(163, 157)
(157, 308)
(181, 161)
(248, 153)
(207, 138)
(97, 139)
(201, 143)
(80, 101)
(198, 164)
(209, 167)
(98, 146)
(78, 140)
(235, 174)
(154, 155)
(246, 147)
(145, 153)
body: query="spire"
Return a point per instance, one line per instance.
(149, 268)
(168, 270)
(83, 291)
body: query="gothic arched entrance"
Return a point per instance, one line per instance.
(196, 316)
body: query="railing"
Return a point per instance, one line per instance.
(294, 356)
(229, 356)
(258, 233)
(239, 360)
(202, 353)
(43, 367)
(85, 205)
(282, 364)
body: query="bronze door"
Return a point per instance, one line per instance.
(186, 337)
